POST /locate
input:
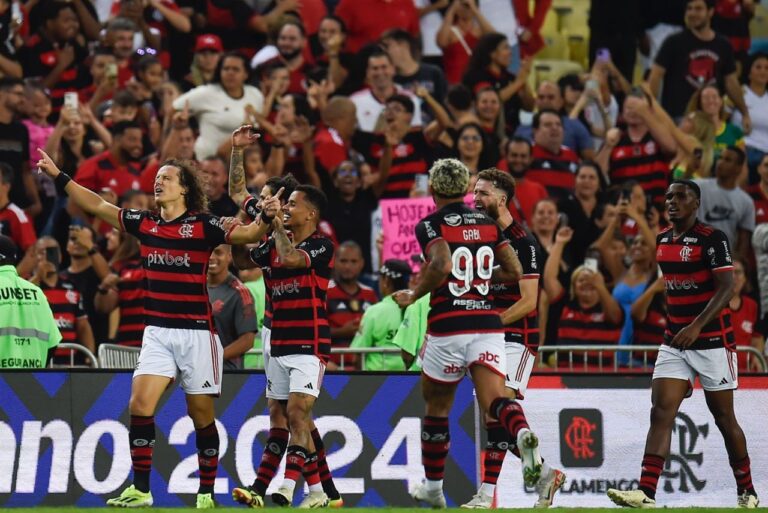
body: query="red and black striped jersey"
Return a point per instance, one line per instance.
(15, 223)
(67, 307)
(297, 297)
(761, 203)
(689, 262)
(555, 171)
(344, 307)
(102, 171)
(587, 326)
(650, 332)
(411, 157)
(461, 304)
(175, 260)
(643, 162)
(130, 294)
(526, 330)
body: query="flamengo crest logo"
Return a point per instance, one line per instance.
(185, 231)
(581, 437)
(679, 475)
(685, 253)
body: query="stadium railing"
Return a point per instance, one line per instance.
(575, 358)
(93, 362)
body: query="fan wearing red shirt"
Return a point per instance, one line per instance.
(117, 168)
(554, 166)
(744, 316)
(348, 299)
(527, 192)
(291, 42)
(367, 20)
(759, 192)
(334, 140)
(14, 223)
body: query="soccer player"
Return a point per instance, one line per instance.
(698, 272)
(517, 303)
(179, 339)
(278, 439)
(462, 248)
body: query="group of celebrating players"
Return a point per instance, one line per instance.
(482, 271)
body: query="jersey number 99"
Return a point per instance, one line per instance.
(464, 267)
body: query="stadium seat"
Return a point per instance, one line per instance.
(578, 44)
(555, 47)
(758, 26)
(576, 17)
(551, 24)
(552, 70)
(113, 356)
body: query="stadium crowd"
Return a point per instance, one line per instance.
(359, 98)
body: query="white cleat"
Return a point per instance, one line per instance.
(548, 486)
(433, 498)
(314, 500)
(479, 501)
(631, 498)
(528, 445)
(747, 500)
(283, 497)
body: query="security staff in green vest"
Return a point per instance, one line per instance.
(28, 332)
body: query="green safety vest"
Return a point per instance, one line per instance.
(27, 327)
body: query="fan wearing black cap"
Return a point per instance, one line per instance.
(29, 331)
(382, 320)
(695, 259)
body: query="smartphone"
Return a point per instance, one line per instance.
(592, 84)
(625, 194)
(659, 274)
(562, 220)
(421, 183)
(603, 54)
(53, 255)
(591, 264)
(111, 71)
(70, 100)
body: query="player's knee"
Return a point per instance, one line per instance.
(661, 414)
(140, 405)
(277, 415)
(298, 418)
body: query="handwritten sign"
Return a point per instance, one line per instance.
(399, 219)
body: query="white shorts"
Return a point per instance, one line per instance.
(193, 356)
(266, 336)
(717, 369)
(447, 359)
(294, 373)
(519, 366)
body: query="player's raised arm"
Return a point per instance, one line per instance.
(241, 139)
(87, 200)
(255, 231)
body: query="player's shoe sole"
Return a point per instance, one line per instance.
(247, 497)
(528, 445)
(336, 503)
(282, 497)
(631, 498)
(479, 501)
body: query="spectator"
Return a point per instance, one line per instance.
(117, 168)
(253, 279)
(744, 317)
(725, 205)
(760, 244)
(215, 172)
(649, 317)
(333, 139)
(757, 104)
(14, 146)
(382, 320)
(544, 224)
(291, 42)
(731, 20)
(65, 301)
(14, 223)
(87, 268)
(491, 117)
(38, 107)
(232, 308)
(529, 30)
(488, 67)
(123, 289)
(595, 107)
(25, 313)
(759, 192)
(9, 39)
(367, 20)
(348, 299)
(471, 150)
(403, 48)
(461, 29)
(616, 27)
(369, 102)
(412, 332)
(575, 135)
(119, 36)
(693, 58)
(208, 50)
(527, 192)
(328, 49)
(590, 315)
(709, 101)
(639, 152)
(554, 165)
(581, 208)
(103, 72)
(147, 35)
(220, 107)
(55, 53)
(149, 77)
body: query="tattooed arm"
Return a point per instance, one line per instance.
(241, 138)
(290, 257)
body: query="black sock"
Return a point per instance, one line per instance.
(141, 436)
(207, 441)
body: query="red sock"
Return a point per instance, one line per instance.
(743, 476)
(322, 467)
(207, 441)
(435, 442)
(141, 436)
(510, 415)
(495, 450)
(274, 449)
(294, 462)
(311, 475)
(649, 476)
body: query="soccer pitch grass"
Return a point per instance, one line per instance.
(356, 510)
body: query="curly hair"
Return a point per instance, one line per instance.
(189, 177)
(449, 178)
